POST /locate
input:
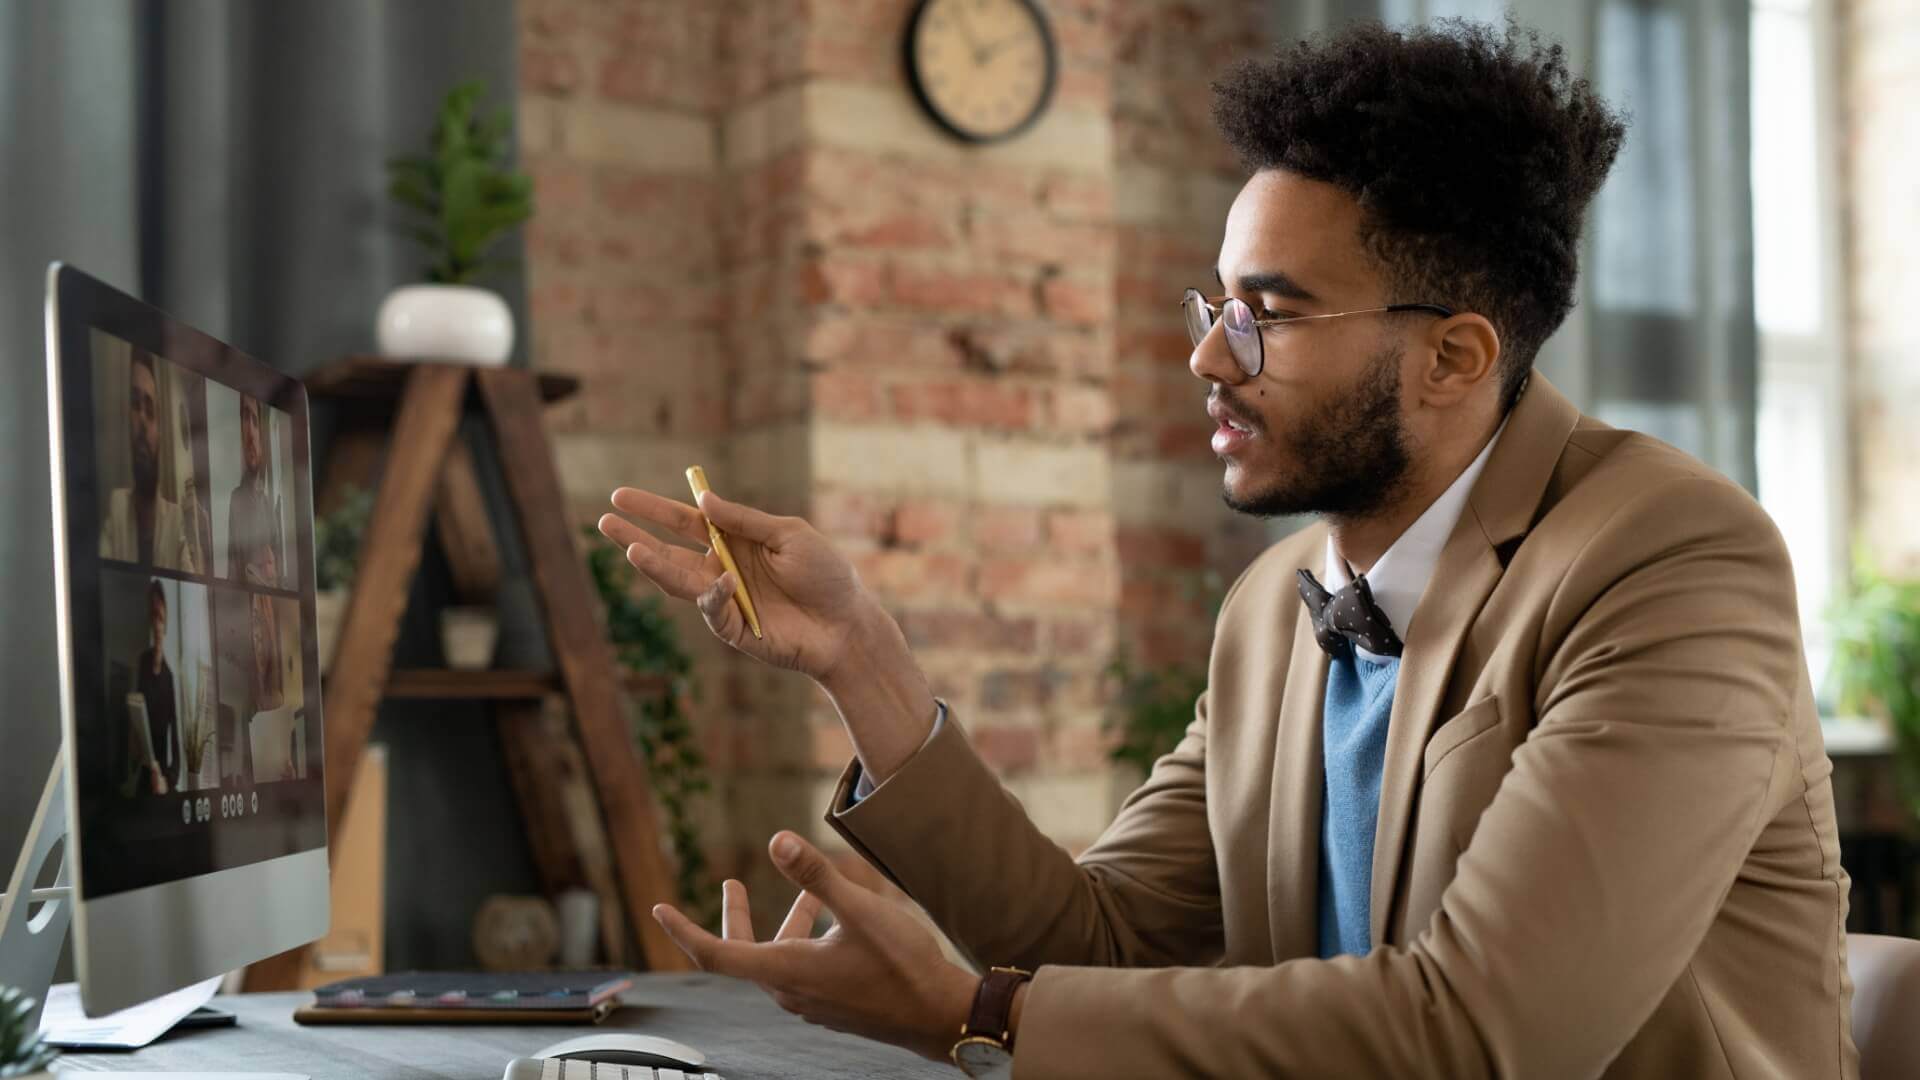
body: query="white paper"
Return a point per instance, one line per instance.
(65, 1025)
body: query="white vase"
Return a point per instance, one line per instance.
(445, 322)
(468, 636)
(329, 611)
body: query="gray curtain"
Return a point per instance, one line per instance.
(223, 160)
(1662, 338)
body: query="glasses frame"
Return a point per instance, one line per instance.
(1240, 342)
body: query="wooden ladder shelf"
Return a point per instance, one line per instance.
(409, 414)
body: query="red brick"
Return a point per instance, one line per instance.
(1033, 580)
(1076, 749)
(906, 230)
(1005, 689)
(850, 514)
(850, 282)
(1154, 546)
(1080, 410)
(1080, 532)
(1071, 637)
(970, 631)
(1006, 749)
(1007, 528)
(850, 396)
(913, 574)
(956, 292)
(1079, 303)
(921, 522)
(965, 403)
(549, 71)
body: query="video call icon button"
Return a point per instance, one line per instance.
(255, 807)
(186, 812)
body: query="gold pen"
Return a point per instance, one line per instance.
(697, 479)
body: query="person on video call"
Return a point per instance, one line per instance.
(154, 680)
(1508, 765)
(142, 525)
(253, 525)
(273, 719)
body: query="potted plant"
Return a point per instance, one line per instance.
(462, 196)
(1876, 664)
(22, 1054)
(336, 550)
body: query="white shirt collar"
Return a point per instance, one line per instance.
(1400, 575)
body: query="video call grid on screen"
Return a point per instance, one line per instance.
(186, 535)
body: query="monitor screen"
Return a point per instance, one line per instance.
(196, 734)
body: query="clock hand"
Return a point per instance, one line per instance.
(985, 52)
(966, 31)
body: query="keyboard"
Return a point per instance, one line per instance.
(555, 1069)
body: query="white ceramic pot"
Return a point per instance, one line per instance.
(468, 636)
(445, 322)
(329, 611)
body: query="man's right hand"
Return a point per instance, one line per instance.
(817, 616)
(811, 604)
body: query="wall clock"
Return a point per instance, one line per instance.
(984, 69)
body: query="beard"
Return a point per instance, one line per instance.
(1352, 458)
(146, 470)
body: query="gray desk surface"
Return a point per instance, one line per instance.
(743, 1033)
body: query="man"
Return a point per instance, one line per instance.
(142, 525)
(1509, 766)
(153, 678)
(253, 527)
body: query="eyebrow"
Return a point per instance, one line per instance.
(1271, 281)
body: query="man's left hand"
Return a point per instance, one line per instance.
(877, 972)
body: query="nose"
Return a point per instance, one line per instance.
(1213, 361)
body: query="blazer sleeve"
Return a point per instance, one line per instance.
(945, 830)
(1660, 752)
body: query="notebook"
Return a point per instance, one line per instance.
(535, 997)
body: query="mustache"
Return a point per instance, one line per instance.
(1235, 407)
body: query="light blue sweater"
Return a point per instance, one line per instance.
(1354, 740)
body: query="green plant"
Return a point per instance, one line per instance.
(336, 539)
(464, 193)
(21, 1051)
(647, 643)
(1876, 663)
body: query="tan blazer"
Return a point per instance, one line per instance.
(1606, 843)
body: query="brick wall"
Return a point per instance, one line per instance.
(1880, 139)
(963, 364)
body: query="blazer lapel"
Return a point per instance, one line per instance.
(1500, 508)
(1293, 851)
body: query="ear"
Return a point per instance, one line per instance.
(1466, 356)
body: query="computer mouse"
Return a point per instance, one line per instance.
(627, 1048)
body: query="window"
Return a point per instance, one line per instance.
(1800, 429)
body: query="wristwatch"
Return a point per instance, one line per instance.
(985, 1049)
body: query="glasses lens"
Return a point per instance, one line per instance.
(1243, 337)
(1199, 319)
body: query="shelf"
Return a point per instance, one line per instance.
(363, 376)
(443, 684)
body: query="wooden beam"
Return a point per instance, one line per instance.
(429, 412)
(466, 535)
(379, 378)
(585, 659)
(556, 799)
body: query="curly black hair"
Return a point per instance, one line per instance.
(1473, 154)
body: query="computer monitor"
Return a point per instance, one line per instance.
(190, 688)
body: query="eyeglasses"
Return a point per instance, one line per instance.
(1243, 330)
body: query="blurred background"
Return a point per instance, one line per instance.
(761, 253)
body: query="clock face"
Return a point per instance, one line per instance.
(983, 68)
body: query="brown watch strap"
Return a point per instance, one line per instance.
(993, 1005)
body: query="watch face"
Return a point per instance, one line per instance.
(984, 68)
(983, 1059)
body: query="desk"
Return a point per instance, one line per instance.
(743, 1033)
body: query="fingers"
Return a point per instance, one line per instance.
(717, 606)
(666, 569)
(667, 513)
(767, 963)
(736, 918)
(804, 865)
(626, 534)
(735, 519)
(800, 917)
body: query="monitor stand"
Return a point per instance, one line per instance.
(30, 940)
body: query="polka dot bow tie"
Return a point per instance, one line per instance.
(1349, 615)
